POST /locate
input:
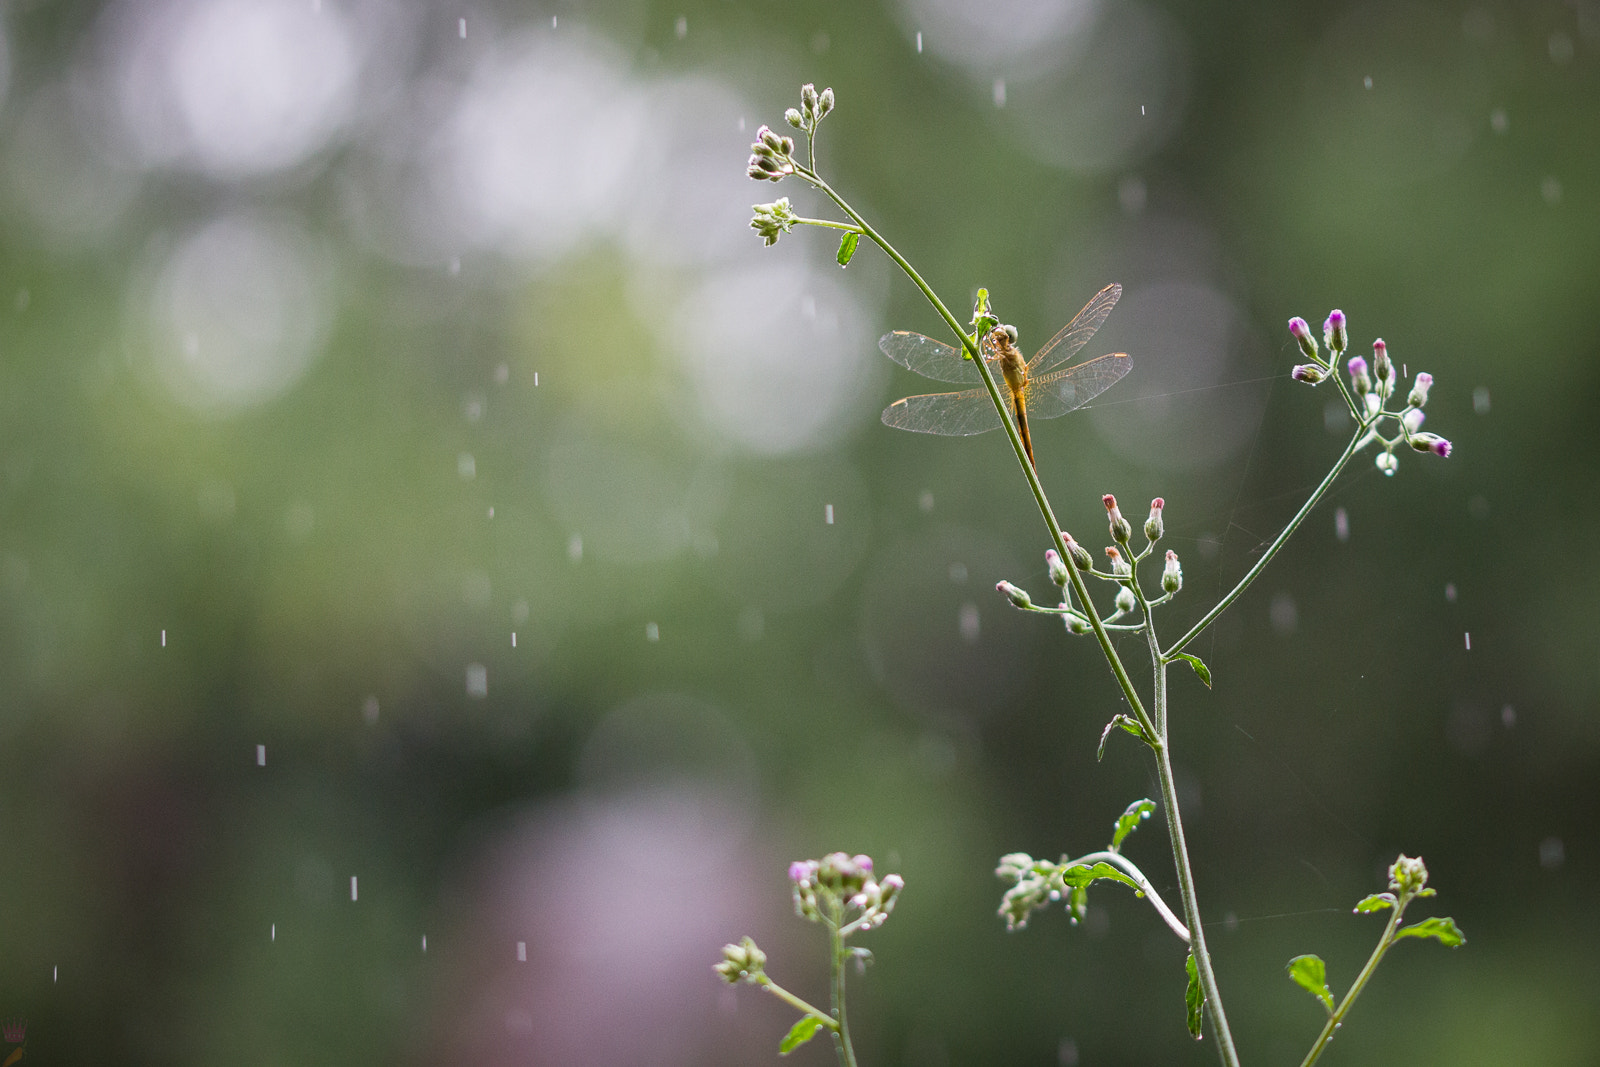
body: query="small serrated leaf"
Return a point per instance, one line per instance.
(847, 246)
(1129, 821)
(1199, 667)
(1376, 902)
(1442, 928)
(1311, 974)
(1194, 998)
(799, 1034)
(1079, 875)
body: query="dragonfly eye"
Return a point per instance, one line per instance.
(1010, 332)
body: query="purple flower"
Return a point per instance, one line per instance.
(1302, 333)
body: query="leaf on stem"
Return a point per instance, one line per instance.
(799, 1034)
(1376, 902)
(1128, 723)
(1199, 667)
(1194, 998)
(1310, 974)
(1442, 929)
(1129, 821)
(1079, 875)
(847, 246)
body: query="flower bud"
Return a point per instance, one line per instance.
(1119, 566)
(824, 102)
(1126, 601)
(1431, 442)
(765, 135)
(792, 117)
(1077, 624)
(1080, 555)
(1057, 569)
(1334, 333)
(1360, 380)
(1309, 373)
(1408, 875)
(808, 102)
(1386, 462)
(1380, 363)
(1153, 526)
(1172, 573)
(1373, 403)
(740, 961)
(1018, 597)
(1302, 333)
(1412, 420)
(1121, 530)
(1419, 389)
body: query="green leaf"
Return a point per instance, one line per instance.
(1199, 667)
(1080, 875)
(847, 246)
(799, 1034)
(1444, 929)
(1376, 902)
(1129, 821)
(1126, 722)
(1310, 974)
(1194, 998)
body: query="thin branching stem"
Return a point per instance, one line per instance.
(838, 958)
(1336, 1017)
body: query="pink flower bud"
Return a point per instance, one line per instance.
(1302, 333)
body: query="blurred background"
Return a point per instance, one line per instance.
(423, 638)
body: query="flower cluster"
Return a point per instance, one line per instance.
(772, 156)
(842, 887)
(741, 962)
(1371, 387)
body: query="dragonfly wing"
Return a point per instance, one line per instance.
(1075, 334)
(1058, 393)
(950, 414)
(929, 358)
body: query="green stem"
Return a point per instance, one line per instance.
(828, 223)
(838, 958)
(1101, 635)
(795, 1002)
(1180, 860)
(1272, 550)
(1336, 1019)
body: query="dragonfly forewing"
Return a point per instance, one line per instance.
(929, 358)
(950, 414)
(1055, 394)
(1075, 334)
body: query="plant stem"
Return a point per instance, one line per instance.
(795, 1002)
(1078, 585)
(837, 960)
(1272, 550)
(1180, 860)
(1117, 859)
(1336, 1019)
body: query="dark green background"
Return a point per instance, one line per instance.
(324, 572)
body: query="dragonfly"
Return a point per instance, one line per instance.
(1038, 390)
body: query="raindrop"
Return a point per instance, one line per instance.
(1552, 853)
(1230, 922)
(502, 374)
(536, 379)
(1508, 716)
(352, 887)
(1550, 189)
(1141, 110)
(522, 946)
(461, 28)
(491, 511)
(55, 973)
(261, 755)
(827, 514)
(274, 931)
(970, 624)
(369, 710)
(925, 501)
(958, 572)
(472, 406)
(575, 548)
(999, 92)
(1450, 592)
(1480, 400)
(1469, 641)
(1498, 121)
(552, 22)
(1285, 616)
(424, 942)
(477, 681)
(513, 639)
(682, 28)
(466, 466)
(163, 639)
(919, 42)
(1341, 524)
(1367, 81)
(652, 632)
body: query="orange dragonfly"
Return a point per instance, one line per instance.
(1037, 389)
